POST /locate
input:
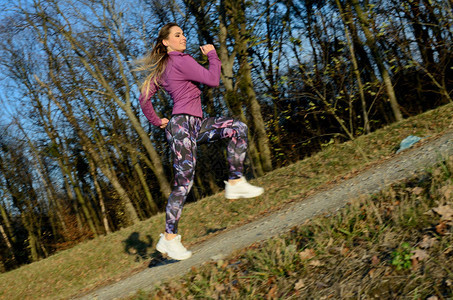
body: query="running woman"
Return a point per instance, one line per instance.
(178, 74)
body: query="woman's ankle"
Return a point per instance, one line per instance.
(170, 236)
(233, 181)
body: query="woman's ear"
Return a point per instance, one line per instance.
(165, 43)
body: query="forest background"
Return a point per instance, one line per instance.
(77, 157)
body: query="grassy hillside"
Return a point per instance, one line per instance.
(109, 258)
(397, 244)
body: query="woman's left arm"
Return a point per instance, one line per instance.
(193, 71)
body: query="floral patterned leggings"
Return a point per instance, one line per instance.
(183, 133)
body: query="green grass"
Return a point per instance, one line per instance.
(103, 260)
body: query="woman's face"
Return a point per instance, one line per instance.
(176, 40)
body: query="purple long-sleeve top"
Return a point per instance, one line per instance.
(178, 79)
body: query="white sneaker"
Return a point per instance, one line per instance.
(173, 248)
(242, 189)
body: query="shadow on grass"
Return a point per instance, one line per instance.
(214, 230)
(134, 246)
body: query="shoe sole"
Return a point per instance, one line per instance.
(162, 251)
(238, 196)
(165, 253)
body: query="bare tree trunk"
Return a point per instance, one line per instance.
(68, 179)
(246, 84)
(141, 176)
(32, 239)
(87, 211)
(378, 59)
(256, 115)
(7, 223)
(366, 122)
(227, 76)
(232, 12)
(7, 242)
(104, 216)
(365, 65)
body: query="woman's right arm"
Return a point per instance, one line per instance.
(147, 105)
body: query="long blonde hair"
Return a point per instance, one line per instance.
(156, 61)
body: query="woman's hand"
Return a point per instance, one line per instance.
(206, 49)
(164, 123)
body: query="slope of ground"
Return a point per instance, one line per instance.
(396, 244)
(372, 181)
(106, 260)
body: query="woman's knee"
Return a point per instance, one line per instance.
(182, 190)
(241, 128)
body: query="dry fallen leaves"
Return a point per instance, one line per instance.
(371, 272)
(447, 192)
(418, 190)
(299, 284)
(344, 250)
(419, 254)
(272, 294)
(330, 243)
(219, 288)
(441, 228)
(307, 254)
(315, 263)
(427, 242)
(375, 260)
(445, 212)
(448, 250)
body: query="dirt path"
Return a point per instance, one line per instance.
(399, 167)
